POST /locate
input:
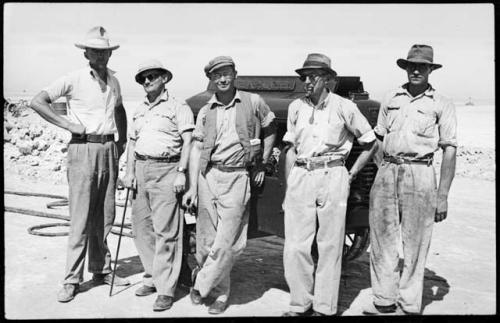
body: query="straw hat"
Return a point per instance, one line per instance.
(97, 38)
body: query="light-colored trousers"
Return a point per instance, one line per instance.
(315, 200)
(221, 228)
(157, 224)
(92, 172)
(402, 196)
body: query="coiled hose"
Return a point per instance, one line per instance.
(62, 201)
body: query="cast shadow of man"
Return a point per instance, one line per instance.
(356, 277)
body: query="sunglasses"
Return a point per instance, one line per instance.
(150, 77)
(314, 77)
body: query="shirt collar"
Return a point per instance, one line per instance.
(321, 105)
(214, 102)
(163, 97)
(403, 90)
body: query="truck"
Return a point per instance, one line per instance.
(266, 213)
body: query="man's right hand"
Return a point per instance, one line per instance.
(190, 199)
(128, 181)
(77, 129)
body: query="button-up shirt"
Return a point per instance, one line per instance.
(91, 101)
(416, 126)
(327, 129)
(228, 149)
(157, 126)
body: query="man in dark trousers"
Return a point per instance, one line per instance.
(95, 116)
(414, 122)
(226, 156)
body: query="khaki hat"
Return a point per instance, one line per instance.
(419, 54)
(97, 38)
(151, 64)
(218, 62)
(317, 61)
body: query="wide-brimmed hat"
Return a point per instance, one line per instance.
(151, 64)
(218, 62)
(317, 61)
(97, 38)
(419, 54)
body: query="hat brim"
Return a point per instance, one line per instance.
(300, 71)
(164, 70)
(402, 63)
(84, 46)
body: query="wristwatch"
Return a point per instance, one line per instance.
(181, 169)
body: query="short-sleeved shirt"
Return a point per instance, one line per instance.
(228, 149)
(91, 101)
(157, 126)
(327, 129)
(416, 126)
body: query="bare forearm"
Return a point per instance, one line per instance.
(364, 158)
(186, 149)
(194, 165)
(268, 146)
(447, 170)
(290, 157)
(41, 104)
(131, 158)
(121, 123)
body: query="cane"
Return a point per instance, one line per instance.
(119, 240)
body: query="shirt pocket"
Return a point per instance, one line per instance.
(164, 121)
(424, 123)
(335, 134)
(393, 113)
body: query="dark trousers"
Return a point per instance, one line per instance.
(92, 172)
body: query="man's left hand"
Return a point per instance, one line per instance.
(179, 183)
(442, 209)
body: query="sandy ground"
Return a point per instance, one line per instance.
(460, 276)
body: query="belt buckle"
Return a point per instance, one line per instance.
(80, 136)
(103, 139)
(399, 160)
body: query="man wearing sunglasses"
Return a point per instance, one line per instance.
(321, 129)
(225, 159)
(95, 115)
(414, 121)
(158, 152)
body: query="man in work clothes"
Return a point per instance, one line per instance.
(414, 121)
(321, 129)
(158, 152)
(226, 144)
(96, 114)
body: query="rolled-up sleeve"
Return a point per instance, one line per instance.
(198, 132)
(185, 118)
(447, 124)
(290, 135)
(61, 87)
(381, 127)
(264, 113)
(357, 123)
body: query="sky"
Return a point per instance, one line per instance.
(263, 39)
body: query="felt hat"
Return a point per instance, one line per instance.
(97, 38)
(423, 54)
(317, 61)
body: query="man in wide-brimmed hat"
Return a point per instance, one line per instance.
(414, 122)
(225, 159)
(158, 152)
(95, 116)
(321, 129)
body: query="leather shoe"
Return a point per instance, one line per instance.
(372, 309)
(217, 307)
(292, 313)
(163, 302)
(145, 290)
(195, 296)
(67, 293)
(106, 279)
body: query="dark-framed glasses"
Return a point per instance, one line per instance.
(150, 77)
(219, 75)
(313, 77)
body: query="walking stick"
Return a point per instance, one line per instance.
(119, 240)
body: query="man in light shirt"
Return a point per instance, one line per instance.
(95, 115)
(414, 121)
(158, 152)
(227, 155)
(321, 129)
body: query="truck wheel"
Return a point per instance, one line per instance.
(355, 243)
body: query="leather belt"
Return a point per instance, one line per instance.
(313, 165)
(226, 168)
(93, 138)
(166, 159)
(405, 160)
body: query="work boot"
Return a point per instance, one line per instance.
(163, 302)
(106, 279)
(145, 290)
(67, 293)
(195, 296)
(372, 309)
(217, 307)
(309, 312)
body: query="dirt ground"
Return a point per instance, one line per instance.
(460, 276)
